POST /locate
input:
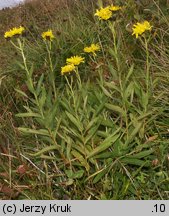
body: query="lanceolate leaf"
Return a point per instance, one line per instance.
(100, 174)
(21, 92)
(106, 92)
(50, 118)
(91, 133)
(44, 150)
(115, 108)
(28, 115)
(133, 133)
(108, 142)
(81, 159)
(92, 123)
(77, 123)
(39, 84)
(74, 175)
(42, 98)
(112, 86)
(33, 131)
(99, 109)
(30, 86)
(129, 73)
(134, 161)
(142, 154)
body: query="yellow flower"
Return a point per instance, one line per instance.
(140, 28)
(104, 13)
(13, 32)
(114, 8)
(67, 69)
(92, 49)
(48, 35)
(75, 60)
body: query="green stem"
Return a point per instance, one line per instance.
(51, 67)
(54, 141)
(116, 55)
(147, 67)
(71, 89)
(21, 48)
(115, 45)
(78, 77)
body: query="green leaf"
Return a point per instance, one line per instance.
(144, 99)
(144, 115)
(64, 105)
(75, 121)
(129, 73)
(133, 133)
(112, 86)
(129, 90)
(81, 159)
(113, 71)
(108, 123)
(28, 115)
(103, 134)
(50, 117)
(99, 109)
(57, 127)
(28, 109)
(38, 89)
(44, 150)
(30, 86)
(91, 134)
(134, 161)
(31, 70)
(104, 145)
(100, 174)
(78, 174)
(80, 148)
(141, 154)
(92, 123)
(106, 155)
(21, 92)
(106, 92)
(20, 65)
(33, 131)
(112, 52)
(47, 157)
(115, 109)
(43, 97)
(69, 173)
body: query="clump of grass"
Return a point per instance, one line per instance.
(99, 129)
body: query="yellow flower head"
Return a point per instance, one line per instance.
(67, 69)
(48, 35)
(140, 28)
(92, 49)
(14, 32)
(75, 60)
(104, 13)
(114, 8)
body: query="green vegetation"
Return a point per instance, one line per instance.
(99, 132)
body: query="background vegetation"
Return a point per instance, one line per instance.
(104, 138)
